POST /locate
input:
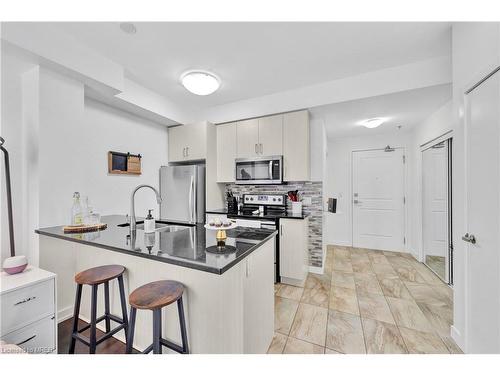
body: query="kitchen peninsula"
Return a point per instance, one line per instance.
(229, 299)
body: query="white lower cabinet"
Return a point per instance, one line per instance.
(258, 300)
(28, 305)
(36, 338)
(294, 254)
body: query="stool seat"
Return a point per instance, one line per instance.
(156, 295)
(99, 275)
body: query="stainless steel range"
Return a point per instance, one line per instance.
(263, 211)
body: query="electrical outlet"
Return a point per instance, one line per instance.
(307, 201)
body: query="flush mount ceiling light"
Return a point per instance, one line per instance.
(128, 27)
(373, 122)
(200, 82)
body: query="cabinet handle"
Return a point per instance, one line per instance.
(183, 151)
(256, 151)
(187, 151)
(24, 301)
(261, 149)
(25, 341)
(281, 227)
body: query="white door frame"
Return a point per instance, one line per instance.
(405, 191)
(476, 81)
(425, 146)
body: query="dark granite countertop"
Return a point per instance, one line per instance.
(268, 215)
(185, 248)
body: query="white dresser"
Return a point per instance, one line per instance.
(28, 307)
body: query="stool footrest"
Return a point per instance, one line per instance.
(114, 318)
(110, 333)
(169, 344)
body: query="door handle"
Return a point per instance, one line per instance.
(469, 238)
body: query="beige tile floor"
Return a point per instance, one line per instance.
(368, 301)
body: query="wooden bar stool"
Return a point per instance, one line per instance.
(94, 277)
(154, 296)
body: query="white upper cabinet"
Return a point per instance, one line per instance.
(286, 134)
(296, 147)
(187, 142)
(271, 135)
(247, 143)
(226, 152)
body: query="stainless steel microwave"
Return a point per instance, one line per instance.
(259, 170)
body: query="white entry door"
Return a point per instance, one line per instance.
(378, 194)
(482, 217)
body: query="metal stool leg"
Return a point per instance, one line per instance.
(124, 304)
(76, 314)
(157, 348)
(93, 320)
(106, 306)
(182, 321)
(130, 336)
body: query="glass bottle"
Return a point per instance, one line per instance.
(76, 210)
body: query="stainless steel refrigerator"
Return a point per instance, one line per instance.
(182, 189)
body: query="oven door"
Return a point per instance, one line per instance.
(256, 171)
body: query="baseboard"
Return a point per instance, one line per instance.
(457, 337)
(340, 243)
(315, 269)
(64, 313)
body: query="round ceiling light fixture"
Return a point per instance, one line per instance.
(200, 82)
(373, 122)
(128, 27)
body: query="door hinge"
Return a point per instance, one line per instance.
(404, 159)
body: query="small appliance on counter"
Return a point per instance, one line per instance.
(14, 264)
(232, 203)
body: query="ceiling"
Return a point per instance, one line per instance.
(255, 59)
(407, 108)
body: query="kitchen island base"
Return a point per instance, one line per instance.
(232, 312)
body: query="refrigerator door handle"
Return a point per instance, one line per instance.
(191, 188)
(195, 197)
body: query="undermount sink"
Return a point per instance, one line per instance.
(160, 226)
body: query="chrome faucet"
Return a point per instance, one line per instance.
(133, 223)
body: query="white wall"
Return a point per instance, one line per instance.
(338, 180)
(12, 130)
(60, 141)
(475, 48)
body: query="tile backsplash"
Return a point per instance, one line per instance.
(313, 190)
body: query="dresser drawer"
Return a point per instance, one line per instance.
(26, 305)
(37, 338)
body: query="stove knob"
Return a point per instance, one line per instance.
(274, 199)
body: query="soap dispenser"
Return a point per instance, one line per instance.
(149, 223)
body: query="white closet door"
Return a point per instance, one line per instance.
(435, 208)
(482, 217)
(378, 193)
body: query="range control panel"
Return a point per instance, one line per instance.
(264, 199)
